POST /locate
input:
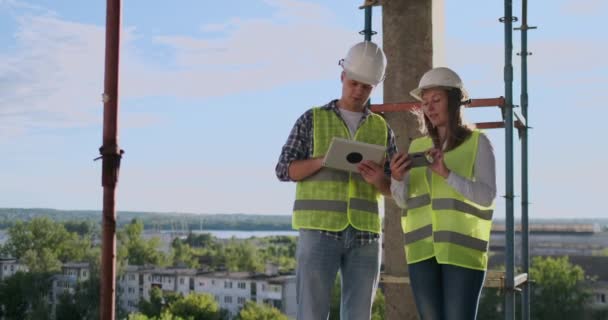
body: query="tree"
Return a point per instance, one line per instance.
(83, 303)
(172, 306)
(24, 295)
(133, 247)
(164, 316)
(183, 254)
(203, 240)
(254, 311)
(558, 291)
(153, 306)
(490, 304)
(82, 228)
(242, 256)
(137, 316)
(66, 308)
(43, 245)
(196, 306)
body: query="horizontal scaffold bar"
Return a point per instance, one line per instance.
(405, 106)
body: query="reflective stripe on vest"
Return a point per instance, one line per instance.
(332, 199)
(457, 205)
(438, 220)
(418, 234)
(461, 240)
(417, 202)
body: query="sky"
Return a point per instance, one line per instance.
(209, 91)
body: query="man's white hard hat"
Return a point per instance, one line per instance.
(439, 77)
(365, 62)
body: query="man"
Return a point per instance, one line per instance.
(336, 212)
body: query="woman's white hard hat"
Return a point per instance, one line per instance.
(439, 77)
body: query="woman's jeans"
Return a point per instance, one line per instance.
(319, 257)
(445, 292)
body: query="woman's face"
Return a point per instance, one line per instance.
(435, 106)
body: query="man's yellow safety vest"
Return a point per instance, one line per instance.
(332, 199)
(438, 221)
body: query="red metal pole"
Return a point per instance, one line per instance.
(111, 155)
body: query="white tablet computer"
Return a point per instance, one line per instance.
(344, 154)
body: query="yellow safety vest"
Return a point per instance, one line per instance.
(332, 199)
(438, 221)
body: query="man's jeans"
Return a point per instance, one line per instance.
(319, 258)
(445, 292)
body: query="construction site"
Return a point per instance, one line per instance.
(408, 38)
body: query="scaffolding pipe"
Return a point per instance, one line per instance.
(111, 155)
(525, 254)
(508, 118)
(367, 31)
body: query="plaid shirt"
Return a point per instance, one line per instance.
(299, 146)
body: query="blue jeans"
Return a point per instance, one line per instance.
(319, 258)
(445, 292)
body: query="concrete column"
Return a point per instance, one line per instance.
(408, 44)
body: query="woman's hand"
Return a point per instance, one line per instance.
(400, 165)
(438, 166)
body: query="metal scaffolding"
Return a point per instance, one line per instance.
(508, 281)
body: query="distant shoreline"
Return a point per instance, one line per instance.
(185, 222)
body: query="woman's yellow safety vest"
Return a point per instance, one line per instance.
(332, 199)
(438, 221)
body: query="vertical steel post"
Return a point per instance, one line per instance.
(367, 31)
(111, 155)
(508, 118)
(525, 254)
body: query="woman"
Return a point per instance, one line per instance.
(448, 203)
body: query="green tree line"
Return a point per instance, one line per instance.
(153, 220)
(43, 245)
(560, 290)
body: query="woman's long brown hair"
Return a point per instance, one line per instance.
(457, 131)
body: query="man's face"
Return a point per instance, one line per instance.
(355, 93)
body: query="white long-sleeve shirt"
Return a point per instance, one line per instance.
(481, 190)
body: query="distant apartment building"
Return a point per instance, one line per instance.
(231, 290)
(554, 240)
(596, 271)
(584, 244)
(10, 266)
(71, 274)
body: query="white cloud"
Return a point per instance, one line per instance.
(54, 77)
(253, 54)
(16, 4)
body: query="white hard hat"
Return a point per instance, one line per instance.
(439, 77)
(365, 62)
